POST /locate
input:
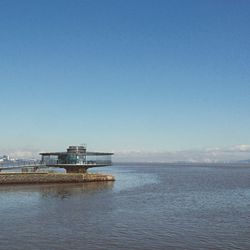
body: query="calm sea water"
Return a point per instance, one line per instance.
(150, 206)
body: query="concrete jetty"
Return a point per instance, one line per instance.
(37, 178)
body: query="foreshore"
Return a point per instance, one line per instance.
(37, 178)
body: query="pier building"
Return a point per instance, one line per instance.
(76, 159)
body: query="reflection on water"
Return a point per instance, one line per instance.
(63, 191)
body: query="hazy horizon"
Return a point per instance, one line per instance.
(206, 155)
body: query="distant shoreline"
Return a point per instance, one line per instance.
(185, 163)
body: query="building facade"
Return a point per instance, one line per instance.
(76, 159)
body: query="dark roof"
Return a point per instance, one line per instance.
(98, 153)
(87, 153)
(54, 153)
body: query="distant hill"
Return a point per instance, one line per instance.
(244, 161)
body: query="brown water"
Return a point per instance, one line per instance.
(150, 206)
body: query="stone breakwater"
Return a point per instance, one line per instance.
(36, 178)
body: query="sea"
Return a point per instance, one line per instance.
(149, 206)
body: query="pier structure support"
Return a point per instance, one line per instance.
(75, 169)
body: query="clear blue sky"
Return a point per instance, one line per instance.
(125, 75)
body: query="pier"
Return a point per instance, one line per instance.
(76, 160)
(42, 178)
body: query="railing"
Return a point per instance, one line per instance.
(85, 163)
(19, 165)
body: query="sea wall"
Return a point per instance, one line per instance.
(26, 178)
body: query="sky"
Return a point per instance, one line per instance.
(133, 77)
